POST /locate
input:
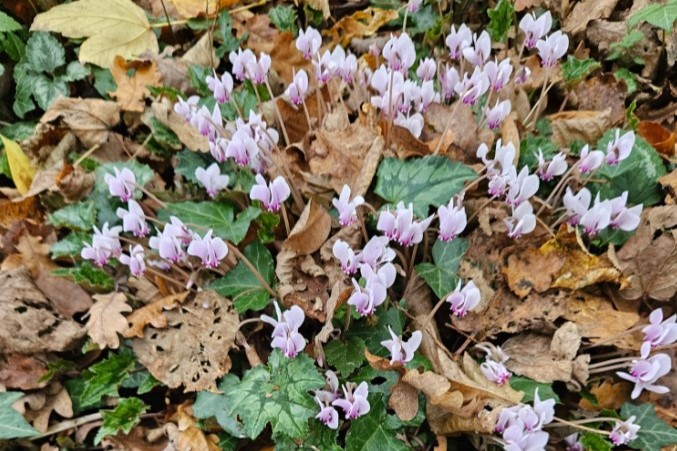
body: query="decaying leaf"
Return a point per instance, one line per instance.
(54, 398)
(609, 394)
(17, 211)
(22, 372)
(187, 134)
(584, 12)
(586, 126)
(30, 325)
(669, 182)
(91, 120)
(360, 24)
(138, 439)
(106, 320)
(185, 434)
(532, 269)
(302, 282)
(193, 349)
(404, 401)
(132, 90)
(152, 314)
(19, 165)
(193, 8)
(602, 92)
(461, 122)
(319, 5)
(111, 27)
(310, 231)
(658, 136)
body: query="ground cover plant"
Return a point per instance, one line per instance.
(335, 225)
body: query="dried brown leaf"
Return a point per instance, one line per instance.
(658, 136)
(584, 12)
(132, 91)
(602, 92)
(310, 231)
(184, 434)
(360, 24)
(404, 401)
(586, 126)
(74, 182)
(91, 120)
(189, 9)
(17, 211)
(54, 398)
(186, 133)
(610, 395)
(106, 320)
(152, 314)
(21, 372)
(530, 268)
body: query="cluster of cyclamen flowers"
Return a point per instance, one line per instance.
(493, 366)
(354, 402)
(522, 425)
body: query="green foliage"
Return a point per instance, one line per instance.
(622, 47)
(212, 215)
(242, 286)
(659, 15)
(267, 223)
(284, 18)
(345, 355)
(188, 161)
(277, 394)
(78, 216)
(164, 140)
(643, 161)
(529, 386)
(123, 418)
(441, 275)
(629, 78)
(500, 20)
(71, 245)
(370, 432)
(12, 424)
(8, 24)
(86, 274)
(422, 20)
(210, 404)
(595, 442)
(654, 433)
(426, 181)
(374, 330)
(575, 70)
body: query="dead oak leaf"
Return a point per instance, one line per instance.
(54, 398)
(152, 314)
(91, 120)
(586, 126)
(360, 24)
(658, 136)
(586, 11)
(602, 92)
(133, 90)
(106, 320)
(21, 372)
(184, 433)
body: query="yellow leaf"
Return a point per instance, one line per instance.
(112, 27)
(19, 165)
(194, 8)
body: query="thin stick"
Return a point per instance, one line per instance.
(169, 22)
(254, 271)
(277, 112)
(305, 110)
(82, 157)
(546, 227)
(68, 424)
(286, 219)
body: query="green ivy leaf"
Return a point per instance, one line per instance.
(529, 386)
(212, 215)
(276, 394)
(654, 433)
(659, 15)
(373, 330)
(24, 79)
(44, 52)
(188, 161)
(595, 442)
(441, 275)
(575, 70)
(242, 286)
(638, 174)
(500, 20)
(12, 423)
(123, 418)
(78, 216)
(284, 18)
(86, 274)
(426, 181)
(71, 245)
(210, 404)
(369, 433)
(8, 24)
(345, 355)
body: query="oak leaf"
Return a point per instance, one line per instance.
(91, 120)
(106, 320)
(54, 398)
(131, 91)
(185, 434)
(586, 11)
(152, 314)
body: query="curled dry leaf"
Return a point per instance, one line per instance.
(360, 24)
(192, 350)
(189, 9)
(404, 401)
(586, 126)
(91, 120)
(26, 208)
(187, 134)
(22, 372)
(602, 92)
(658, 136)
(54, 398)
(531, 269)
(184, 433)
(302, 282)
(106, 320)
(132, 91)
(74, 182)
(586, 11)
(609, 394)
(30, 324)
(138, 439)
(461, 122)
(669, 182)
(310, 231)
(152, 314)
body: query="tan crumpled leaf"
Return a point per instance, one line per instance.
(132, 91)
(669, 182)
(404, 401)
(112, 27)
(17, 211)
(152, 314)
(91, 120)
(602, 92)
(360, 24)
(106, 320)
(461, 122)
(192, 350)
(29, 324)
(531, 269)
(586, 11)
(74, 182)
(54, 398)
(658, 136)
(586, 126)
(186, 133)
(138, 439)
(310, 231)
(302, 282)
(185, 435)
(19, 165)
(22, 372)
(189, 9)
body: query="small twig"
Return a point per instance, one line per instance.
(68, 424)
(277, 112)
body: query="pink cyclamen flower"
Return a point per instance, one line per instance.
(497, 114)
(220, 87)
(402, 351)
(346, 207)
(576, 205)
(400, 53)
(624, 218)
(298, 89)
(590, 160)
(522, 75)
(413, 123)
(376, 252)
(644, 373)
(552, 48)
(240, 60)
(211, 250)
(286, 336)
(522, 221)
(105, 245)
(212, 179)
(547, 170)
(414, 5)
(519, 439)
(169, 243)
(365, 300)
(257, 70)
(597, 218)
(472, 88)
(658, 332)
(426, 69)
(208, 124)
(331, 391)
(498, 73)
(535, 29)
(493, 367)
(186, 108)
(522, 187)
(464, 298)
(624, 432)
(619, 148)
(572, 442)
(242, 148)
(217, 149)
(327, 415)
(354, 402)
(133, 219)
(453, 220)
(449, 78)
(457, 41)
(272, 194)
(122, 184)
(478, 53)
(344, 253)
(401, 226)
(308, 42)
(135, 260)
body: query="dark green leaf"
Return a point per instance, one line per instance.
(242, 286)
(210, 404)
(284, 18)
(654, 433)
(71, 245)
(657, 14)
(4, 165)
(529, 386)
(104, 378)
(46, 90)
(8, 24)
(374, 330)
(628, 77)
(595, 442)
(188, 162)
(85, 274)
(368, 433)
(12, 423)
(575, 70)
(345, 355)
(14, 46)
(44, 52)
(18, 131)
(422, 20)
(501, 19)
(123, 418)
(441, 275)
(620, 48)
(104, 83)
(78, 216)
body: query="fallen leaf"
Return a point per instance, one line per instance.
(138, 439)
(658, 136)
(74, 182)
(404, 401)
(106, 320)
(610, 395)
(68, 298)
(320, 5)
(669, 182)
(17, 211)
(91, 120)
(286, 59)
(360, 24)
(510, 134)
(586, 11)
(132, 91)
(186, 133)
(21, 372)
(30, 325)
(310, 231)
(152, 314)
(461, 122)
(602, 92)
(186, 435)
(302, 282)
(111, 27)
(19, 165)
(530, 268)
(54, 398)
(189, 9)
(193, 349)
(586, 126)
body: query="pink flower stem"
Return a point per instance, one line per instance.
(612, 361)
(285, 219)
(305, 110)
(277, 112)
(559, 422)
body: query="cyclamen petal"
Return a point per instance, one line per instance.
(464, 298)
(535, 29)
(624, 431)
(122, 184)
(346, 256)
(308, 42)
(658, 332)
(402, 351)
(272, 194)
(646, 372)
(133, 219)
(211, 250)
(135, 260)
(346, 207)
(453, 220)
(211, 179)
